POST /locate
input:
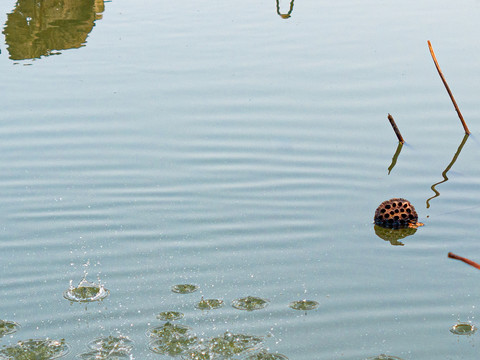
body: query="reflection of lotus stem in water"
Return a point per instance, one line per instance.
(395, 157)
(285, 15)
(444, 173)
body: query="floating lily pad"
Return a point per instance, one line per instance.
(233, 344)
(209, 304)
(170, 315)
(250, 303)
(86, 291)
(35, 350)
(463, 329)
(184, 288)
(8, 327)
(304, 305)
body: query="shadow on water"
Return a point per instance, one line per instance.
(444, 173)
(395, 157)
(288, 13)
(37, 28)
(393, 235)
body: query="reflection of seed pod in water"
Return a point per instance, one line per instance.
(393, 235)
(396, 213)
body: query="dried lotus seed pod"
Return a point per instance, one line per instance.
(396, 213)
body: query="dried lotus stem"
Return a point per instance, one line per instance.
(465, 127)
(465, 260)
(395, 128)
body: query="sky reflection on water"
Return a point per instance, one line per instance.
(241, 147)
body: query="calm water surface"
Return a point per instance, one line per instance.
(223, 145)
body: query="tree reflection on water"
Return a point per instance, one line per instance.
(38, 28)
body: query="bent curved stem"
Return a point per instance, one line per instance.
(395, 157)
(444, 173)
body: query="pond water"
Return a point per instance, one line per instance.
(243, 148)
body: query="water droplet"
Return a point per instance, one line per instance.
(8, 327)
(384, 357)
(304, 305)
(170, 339)
(173, 346)
(197, 354)
(105, 355)
(184, 288)
(230, 344)
(35, 349)
(86, 291)
(463, 329)
(250, 303)
(209, 304)
(168, 330)
(111, 343)
(265, 355)
(170, 315)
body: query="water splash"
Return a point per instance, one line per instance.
(86, 291)
(304, 305)
(463, 329)
(185, 288)
(109, 347)
(43, 349)
(112, 343)
(230, 344)
(209, 304)
(171, 340)
(265, 355)
(170, 315)
(8, 327)
(250, 303)
(168, 330)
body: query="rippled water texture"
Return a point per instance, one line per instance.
(233, 151)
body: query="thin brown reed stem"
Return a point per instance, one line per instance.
(395, 128)
(465, 260)
(465, 127)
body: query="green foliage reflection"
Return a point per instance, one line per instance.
(36, 28)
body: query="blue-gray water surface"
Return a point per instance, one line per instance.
(154, 143)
